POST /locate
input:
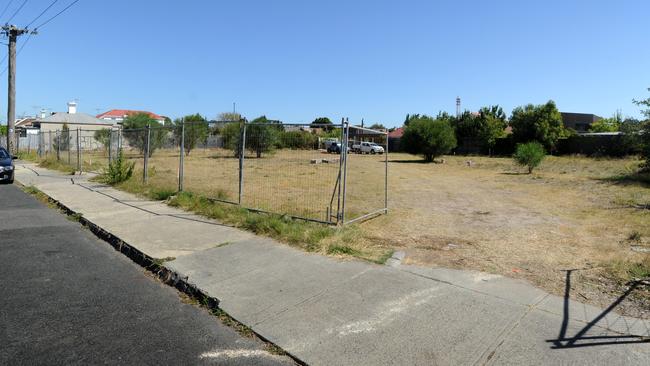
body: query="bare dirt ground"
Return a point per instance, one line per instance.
(568, 214)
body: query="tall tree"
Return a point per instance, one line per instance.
(428, 137)
(103, 136)
(322, 122)
(135, 132)
(196, 131)
(62, 141)
(644, 133)
(229, 117)
(542, 123)
(492, 122)
(611, 124)
(262, 135)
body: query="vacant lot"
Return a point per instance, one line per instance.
(572, 213)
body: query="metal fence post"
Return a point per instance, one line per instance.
(39, 151)
(78, 150)
(49, 144)
(342, 157)
(58, 145)
(386, 175)
(145, 174)
(242, 148)
(345, 169)
(110, 146)
(181, 160)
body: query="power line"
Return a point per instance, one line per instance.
(29, 36)
(17, 11)
(6, 7)
(57, 14)
(41, 14)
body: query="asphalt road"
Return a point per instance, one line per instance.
(68, 298)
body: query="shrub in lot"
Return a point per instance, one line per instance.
(298, 140)
(428, 137)
(62, 140)
(529, 155)
(118, 171)
(261, 136)
(103, 136)
(196, 131)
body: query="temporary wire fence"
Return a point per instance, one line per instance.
(333, 174)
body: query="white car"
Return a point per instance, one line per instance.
(367, 148)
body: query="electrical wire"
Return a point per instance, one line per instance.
(41, 14)
(6, 7)
(17, 11)
(57, 14)
(18, 53)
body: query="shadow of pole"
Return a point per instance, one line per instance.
(563, 342)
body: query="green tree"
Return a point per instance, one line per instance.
(3, 130)
(492, 124)
(377, 126)
(62, 140)
(644, 133)
(196, 131)
(529, 155)
(322, 122)
(135, 132)
(542, 123)
(229, 117)
(428, 137)
(231, 134)
(262, 135)
(103, 136)
(611, 124)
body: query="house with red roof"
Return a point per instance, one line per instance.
(394, 138)
(118, 115)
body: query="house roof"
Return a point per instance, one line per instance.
(73, 118)
(25, 122)
(120, 113)
(396, 133)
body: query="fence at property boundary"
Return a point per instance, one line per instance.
(268, 167)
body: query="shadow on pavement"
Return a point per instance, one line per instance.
(581, 338)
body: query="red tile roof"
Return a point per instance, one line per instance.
(117, 113)
(397, 133)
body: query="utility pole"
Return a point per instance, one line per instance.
(12, 32)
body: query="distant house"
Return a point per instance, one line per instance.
(394, 138)
(25, 126)
(580, 122)
(118, 115)
(72, 119)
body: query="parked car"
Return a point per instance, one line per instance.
(367, 148)
(6, 166)
(336, 148)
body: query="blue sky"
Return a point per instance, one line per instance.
(297, 60)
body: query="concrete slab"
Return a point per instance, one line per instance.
(385, 316)
(532, 343)
(257, 279)
(495, 285)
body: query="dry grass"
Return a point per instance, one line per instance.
(573, 212)
(569, 214)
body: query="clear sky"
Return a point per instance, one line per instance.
(298, 60)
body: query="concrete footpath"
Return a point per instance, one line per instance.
(326, 311)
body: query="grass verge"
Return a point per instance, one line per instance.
(308, 236)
